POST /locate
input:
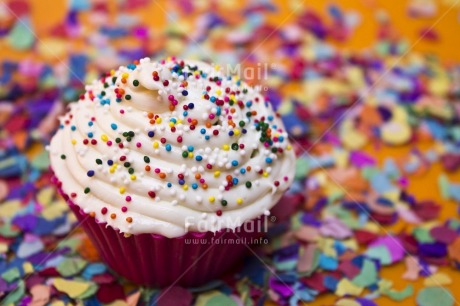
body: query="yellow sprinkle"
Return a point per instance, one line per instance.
(226, 147)
(217, 67)
(265, 174)
(288, 147)
(171, 124)
(216, 173)
(218, 92)
(239, 201)
(158, 120)
(185, 187)
(74, 141)
(122, 190)
(190, 154)
(133, 177)
(112, 72)
(155, 144)
(104, 138)
(212, 199)
(125, 75)
(179, 121)
(236, 132)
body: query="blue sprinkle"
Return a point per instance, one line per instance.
(73, 127)
(185, 113)
(198, 158)
(90, 135)
(268, 160)
(212, 99)
(169, 185)
(191, 105)
(194, 185)
(190, 148)
(181, 182)
(168, 147)
(235, 181)
(234, 163)
(230, 133)
(242, 171)
(203, 131)
(151, 134)
(184, 93)
(90, 123)
(110, 162)
(113, 126)
(90, 173)
(207, 137)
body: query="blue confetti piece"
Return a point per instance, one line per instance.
(330, 282)
(328, 263)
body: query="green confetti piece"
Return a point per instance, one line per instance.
(71, 243)
(14, 297)
(438, 296)
(380, 253)
(399, 295)
(244, 292)
(21, 37)
(443, 183)
(423, 235)
(214, 298)
(11, 274)
(7, 231)
(89, 292)
(368, 275)
(71, 266)
(41, 161)
(302, 167)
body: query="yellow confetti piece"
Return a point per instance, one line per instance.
(3, 248)
(437, 279)
(346, 287)
(54, 210)
(45, 196)
(9, 208)
(27, 267)
(346, 302)
(72, 288)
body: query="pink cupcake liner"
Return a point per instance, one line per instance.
(155, 260)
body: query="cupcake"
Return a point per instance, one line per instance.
(165, 164)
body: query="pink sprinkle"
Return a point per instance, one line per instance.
(109, 143)
(157, 170)
(138, 145)
(202, 181)
(122, 111)
(124, 209)
(211, 116)
(128, 198)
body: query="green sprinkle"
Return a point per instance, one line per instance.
(87, 190)
(63, 156)
(136, 83)
(128, 97)
(185, 154)
(147, 159)
(131, 170)
(224, 202)
(127, 164)
(99, 161)
(248, 184)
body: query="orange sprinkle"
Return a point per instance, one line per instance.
(113, 216)
(150, 115)
(248, 168)
(147, 168)
(123, 81)
(162, 175)
(229, 178)
(171, 107)
(197, 176)
(194, 121)
(208, 124)
(129, 219)
(205, 186)
(232, 110)
(152, 121)
(92, 214)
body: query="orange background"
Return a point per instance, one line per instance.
(48, 13)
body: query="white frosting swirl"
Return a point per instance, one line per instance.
(196, 150)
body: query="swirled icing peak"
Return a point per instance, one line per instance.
(172, 146)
